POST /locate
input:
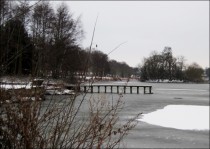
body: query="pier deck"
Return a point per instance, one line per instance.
(111, 88)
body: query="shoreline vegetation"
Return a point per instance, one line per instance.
(24, 80)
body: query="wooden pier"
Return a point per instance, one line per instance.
(111, 88)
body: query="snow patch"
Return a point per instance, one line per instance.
(59, 92)
(185, 117)
(16, 86)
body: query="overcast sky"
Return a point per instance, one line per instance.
(146, 26)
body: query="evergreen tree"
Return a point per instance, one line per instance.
(17, 48)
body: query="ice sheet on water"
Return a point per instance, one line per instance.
(181, 89)
(185, 117)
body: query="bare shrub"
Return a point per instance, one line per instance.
(82, 121)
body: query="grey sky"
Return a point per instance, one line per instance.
(147, 26)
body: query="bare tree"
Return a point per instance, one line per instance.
(24, 9)
(168, 59)
(41, 27)
(4, 11)
(194, 73)
(4, 14)
(99, 63)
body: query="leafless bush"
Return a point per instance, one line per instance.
(71, 122)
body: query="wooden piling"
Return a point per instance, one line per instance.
(91, 88)
(98, 89)
(85, 89)
(150, 89)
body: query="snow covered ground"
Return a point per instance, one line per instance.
(185, 117)
(16, 86)
(50, 90)
(59, 92)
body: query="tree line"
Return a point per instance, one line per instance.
(101, 65)
(163, 65)
(41, 41)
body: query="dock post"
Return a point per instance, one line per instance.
(137, 90)
(91, 88)
(144, 89)
(124, 89)
(105, 88)
(117, 89)
(85, 89)
(150, 89)
(111, 89)
(98, 89)
(131, 89)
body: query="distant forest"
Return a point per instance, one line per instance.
(164, 66)
(40, 41)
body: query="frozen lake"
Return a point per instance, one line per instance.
(187, 103)
(175, 116)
